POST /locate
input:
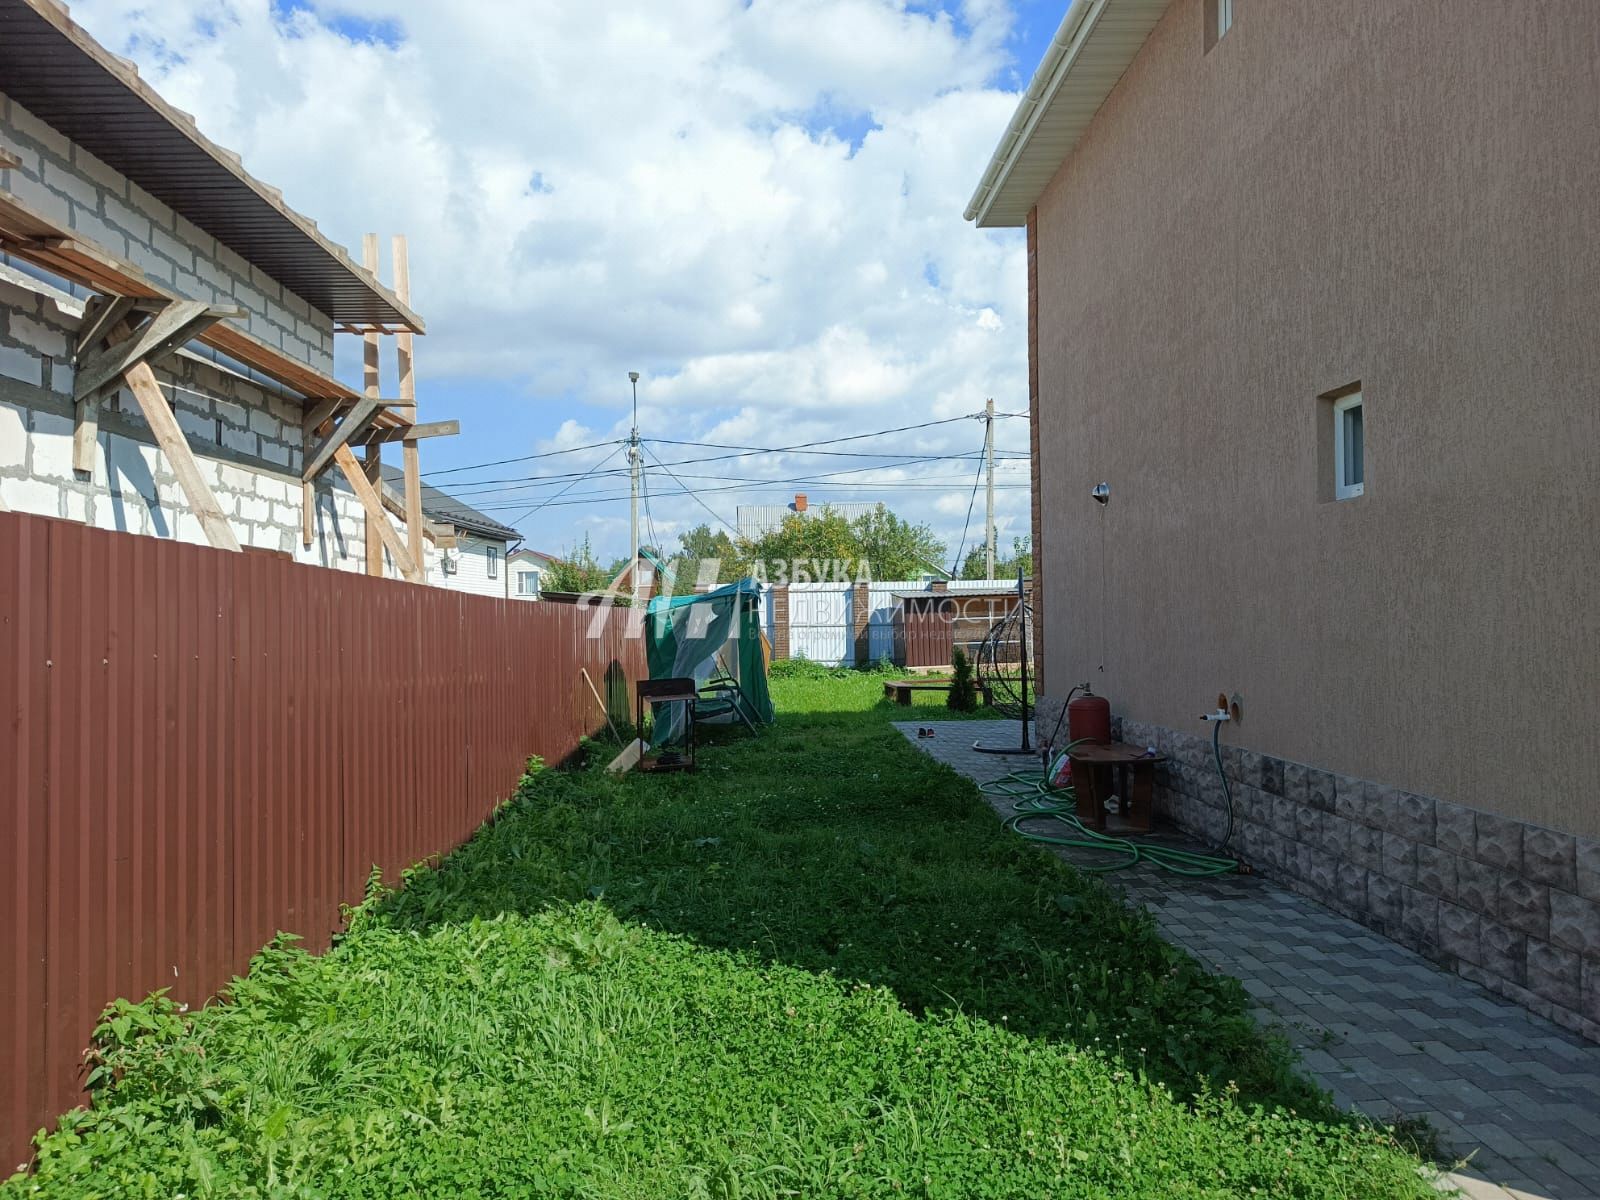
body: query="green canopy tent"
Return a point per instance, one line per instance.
(713, 637)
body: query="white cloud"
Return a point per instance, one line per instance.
(758, 203)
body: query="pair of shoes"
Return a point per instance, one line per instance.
(924, 732)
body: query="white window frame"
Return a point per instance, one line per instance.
(1341, 410)
(491, 556)
(1224, 18)
(528, 582)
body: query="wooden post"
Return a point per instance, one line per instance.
(411, 458)
(85, 432)
(372, 456)
(308, 490)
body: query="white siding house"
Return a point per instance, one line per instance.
(477, 563)
(527, 569)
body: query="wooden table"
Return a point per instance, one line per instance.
(1116, 773)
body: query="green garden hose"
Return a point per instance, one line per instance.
(1033, 797)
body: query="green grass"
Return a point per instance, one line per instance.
(817, 968)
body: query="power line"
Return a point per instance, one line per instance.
(800, 479)
(644, 489)
(602, 498)
(574, 483)
(746, 450)
(482, 487)
(696, 496)
(598, 498)
(524, 458)
(962, 545)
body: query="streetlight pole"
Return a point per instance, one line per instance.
(988, 454)
(633, 478)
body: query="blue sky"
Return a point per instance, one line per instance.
(755, 203)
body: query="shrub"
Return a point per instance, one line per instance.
(963, 695)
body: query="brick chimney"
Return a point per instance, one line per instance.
(799, 502)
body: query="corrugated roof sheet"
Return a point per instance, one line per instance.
(440, 506)
(55, 70)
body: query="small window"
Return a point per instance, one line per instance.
(1218, 20)
(493, 555)
(1349, 448)
(527, 583)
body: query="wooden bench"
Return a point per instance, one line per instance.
(899, 690)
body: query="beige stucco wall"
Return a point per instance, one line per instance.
(1400, 192)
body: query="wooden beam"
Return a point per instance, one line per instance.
(102, 314)
(8, 160)
(43, 242)
(320, 414)
(355, 422)
(373, 507)
(177, 323)
(441, 533)
(383, 435)
(411, 457)
(85, 433)
(310, 429)
(372, 457)
(158, 415)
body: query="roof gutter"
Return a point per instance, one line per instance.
(1059, 58)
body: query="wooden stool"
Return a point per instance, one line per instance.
(1101, 772)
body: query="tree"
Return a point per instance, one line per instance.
(963, 695)
(577, 571)
(823, 545)
(1004, 568)
(700, 545)
(807, 546)
(894, 548)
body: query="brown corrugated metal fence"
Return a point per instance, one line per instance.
(200, 749)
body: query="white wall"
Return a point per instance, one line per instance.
(472, 567)
(517, 569)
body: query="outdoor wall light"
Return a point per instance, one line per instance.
(1101, 494)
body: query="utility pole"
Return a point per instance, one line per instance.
(633, 477)
(988, 454)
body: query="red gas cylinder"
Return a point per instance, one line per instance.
(1089, 716)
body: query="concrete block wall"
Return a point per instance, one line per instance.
(67, 184)
(246, 439)
(1510, 905)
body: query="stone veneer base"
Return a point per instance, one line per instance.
(1512, 906)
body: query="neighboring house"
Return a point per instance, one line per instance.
(1315, 288)
(476, 561)
(527, 569)
(755, 521)
(167, 326)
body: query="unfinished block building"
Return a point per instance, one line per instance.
(167, 326)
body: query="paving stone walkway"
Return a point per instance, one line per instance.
(1381, 1028)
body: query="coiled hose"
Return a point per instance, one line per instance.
(1035, 798)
